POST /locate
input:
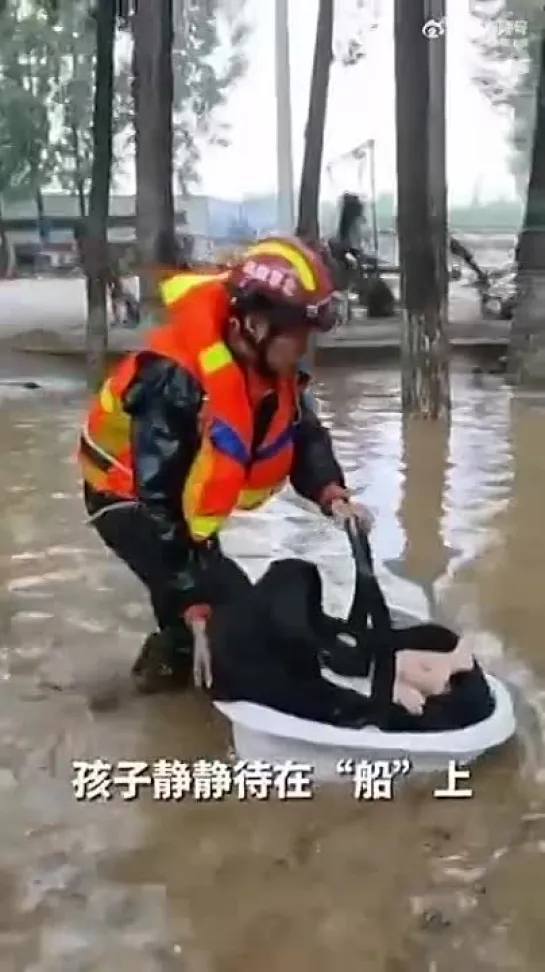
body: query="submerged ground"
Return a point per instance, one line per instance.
(418, 885)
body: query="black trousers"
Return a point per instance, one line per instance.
(131, 534)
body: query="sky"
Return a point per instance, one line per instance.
(476, 143)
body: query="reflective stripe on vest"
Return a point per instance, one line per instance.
(226, 440)
(103, 446)
(215, 357)
(102, 459)
(177, 287)
(203, 527)
(226, 473)
(222, 436)
(270, 450)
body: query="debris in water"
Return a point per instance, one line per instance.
(434, 919)
(27, 385)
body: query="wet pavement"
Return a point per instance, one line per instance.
(415, 885)
(51, 313)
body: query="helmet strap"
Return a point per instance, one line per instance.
(259, 347)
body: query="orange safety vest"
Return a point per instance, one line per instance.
(225, 474)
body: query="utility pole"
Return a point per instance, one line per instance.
(284, 151)
(422, 205)
(373, 189)
(437, 136)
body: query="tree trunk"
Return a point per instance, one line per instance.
(96, 262)
(80, 196)
(79, 181)
(308, 223)
(40, 212)
(4, 246)
(422, 217)
(153, 95)
(526, 363)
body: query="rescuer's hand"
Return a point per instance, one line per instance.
(196, 618)
(343, 510)
(202, 659)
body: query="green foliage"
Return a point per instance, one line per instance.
(508, 38)
(14, 168)
(26, 99)
(47, 64)
(48, 57)
(208, 58)
(355, 21)
(74, 145)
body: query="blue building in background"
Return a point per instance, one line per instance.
(241, 220)
(205, 217)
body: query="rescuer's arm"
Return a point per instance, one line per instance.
(315, 474)
(163, 402)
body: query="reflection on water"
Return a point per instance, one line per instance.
(425, 554)
(413, 886)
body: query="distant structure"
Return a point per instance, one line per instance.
(200, 216)
(203, 217)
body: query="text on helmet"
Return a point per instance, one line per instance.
(273, 277)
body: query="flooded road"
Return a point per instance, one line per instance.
(416, 885)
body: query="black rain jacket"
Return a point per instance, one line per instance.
(164, 402)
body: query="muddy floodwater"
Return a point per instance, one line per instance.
(322, 885)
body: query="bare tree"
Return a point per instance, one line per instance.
(527, 348)
(422, 211)
(309, 194)
(96, 235)
(153, 95)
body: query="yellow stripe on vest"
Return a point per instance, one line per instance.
(215, 357)
(200, 527)
(204, 527)
(177, 287)
(249, 499)
(106, 398)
